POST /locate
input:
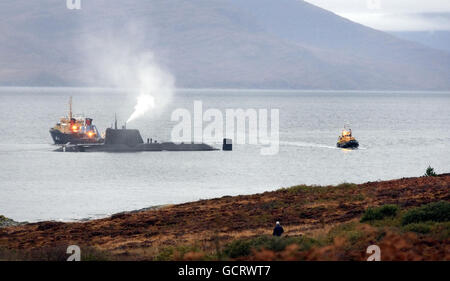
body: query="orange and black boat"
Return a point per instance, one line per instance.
(346, 140)
(75, 129)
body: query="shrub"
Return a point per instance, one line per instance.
(238, 248)
(430, 172)
(438, 211)
(172, 253)
(418, 227)
(244, 247)
(5, 222)
(441, 230)
(379, 213)
(164, 254)
(347, 185)
(297, 189)
(310, 189)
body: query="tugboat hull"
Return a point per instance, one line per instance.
(348, 144)
(62, 138)
(75, 129)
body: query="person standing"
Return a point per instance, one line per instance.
(278, 230)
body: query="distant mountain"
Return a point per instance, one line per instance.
(213, 43)
(435, 39)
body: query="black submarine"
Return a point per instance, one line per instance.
(130, 140)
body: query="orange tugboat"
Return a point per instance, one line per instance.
(75, 129)
(346, 140)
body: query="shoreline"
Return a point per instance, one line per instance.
(163, 205)
(304, 211)
(6, 221)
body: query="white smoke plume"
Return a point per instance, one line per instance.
(155, 88)
(145, 102)
(121, 59)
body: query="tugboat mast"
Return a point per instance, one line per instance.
(70, 108)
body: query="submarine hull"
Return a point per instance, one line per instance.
(348, 144)
(128, 140)
(167, 146)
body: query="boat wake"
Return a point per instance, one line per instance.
(307, 144)
(310, 144)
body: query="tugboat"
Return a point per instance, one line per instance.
(75, 130)
(346, 140)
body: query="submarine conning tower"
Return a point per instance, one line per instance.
(130, 137)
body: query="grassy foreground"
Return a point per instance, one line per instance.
(407, 218)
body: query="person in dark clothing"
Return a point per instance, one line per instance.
(278, 230)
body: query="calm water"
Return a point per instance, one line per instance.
(400, 135)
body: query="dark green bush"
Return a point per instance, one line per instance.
(244, 247)
(441, 230)
(419, 227)
(238, 248)
(379, 213)
(347, 185)
(438, 211)
(5, 222)
(430, 172)
(298, 188)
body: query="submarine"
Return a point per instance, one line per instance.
(130, 140)
(346, 140)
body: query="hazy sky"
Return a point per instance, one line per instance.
(393, 15)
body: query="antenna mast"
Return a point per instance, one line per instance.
(70, 108)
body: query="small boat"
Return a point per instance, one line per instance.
(346, 140)
(75, 129)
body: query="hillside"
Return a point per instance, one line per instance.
(211, 43)
(435, 39)
(322, 222)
